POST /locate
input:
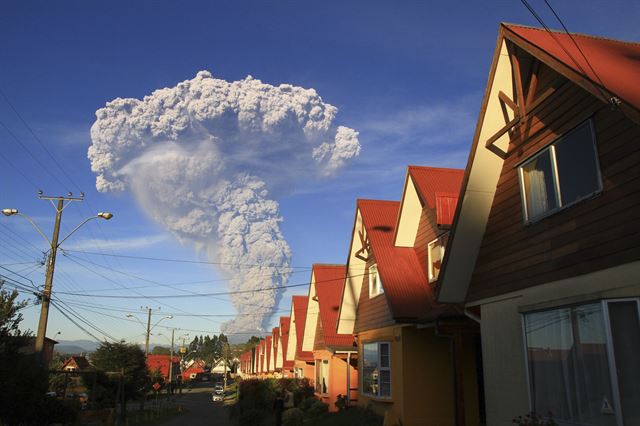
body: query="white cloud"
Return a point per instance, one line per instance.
(211, 156)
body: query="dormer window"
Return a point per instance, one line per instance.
(562, 174)
(375, 284)
(436, 254)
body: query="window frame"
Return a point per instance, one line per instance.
(431, 276)
(380, 291)
(380, 368)
(318, 364)
(611, 361)
(550, 147)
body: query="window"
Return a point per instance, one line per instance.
(322, 376)
(375, 284)
(298, 373)
(562, 174)
(436, 254)
(582, 363)
(376, 369)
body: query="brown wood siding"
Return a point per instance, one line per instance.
(594, 234)
(427, 232)
(372, 313)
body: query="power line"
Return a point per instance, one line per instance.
(55, 305)
(203, 262)
(112, 296)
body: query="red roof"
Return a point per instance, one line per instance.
(329, 282)
(299, 304)
(284, 337)
(439, 189)
(79, 361)
(615, 62)
(162, 362)
(405, 285)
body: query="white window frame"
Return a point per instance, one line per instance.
(439, 239)
(373, 271)
(380, 368)
(318, 364)
(551, 147)
(613, 375)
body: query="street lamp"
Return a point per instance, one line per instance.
(54, 245)
(149, 327)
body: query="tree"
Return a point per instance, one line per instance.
(160, 350)
(23, 376)
(121, 361)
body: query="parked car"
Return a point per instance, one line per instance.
(217, 397)
(218, 390)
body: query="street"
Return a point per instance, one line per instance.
(199, 409)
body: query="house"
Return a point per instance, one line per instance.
(544, 246)
(282, 362)
(418, 359)
(335, 355)
(164, 365)
(267, 355)
(193, 370)
(275, 339)
(303, 364)
(76, 363)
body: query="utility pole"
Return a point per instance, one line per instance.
(146, 342)
(53, 250)
(173, 330)
(48, 283)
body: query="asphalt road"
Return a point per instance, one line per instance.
(200, 410)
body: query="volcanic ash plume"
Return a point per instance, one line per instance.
(205, 159)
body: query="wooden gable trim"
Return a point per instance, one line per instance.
(562, 69)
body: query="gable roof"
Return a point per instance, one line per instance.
(285, 323)
(299, 307)
(615, 62)
(80, 362)
(162, 363)
(406, 287)
(329, 283)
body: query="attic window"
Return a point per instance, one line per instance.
(562, 174)
(436, 254)
(375, 284)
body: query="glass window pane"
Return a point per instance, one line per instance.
(370, 368)
(625, 333)
(539, 185)
(385, 383)
(568, 365)
(384, 355)
(577, 165)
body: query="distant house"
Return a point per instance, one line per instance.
(284, 363)
(275, 340)
(76, 363)
(545, 247)
(303, 363)
(335, 355)
(193, 370)
(165, 365)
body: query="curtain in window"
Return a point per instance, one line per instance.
(537, 193)
(568, 365)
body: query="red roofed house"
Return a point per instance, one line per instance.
(303, 364)
(417, 358)
(76, 363)
(275, 339)
(162, 364)
(192, 370)
(267, 355)
(282, 362)
(545, 245)
(335, 354)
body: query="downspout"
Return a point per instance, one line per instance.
(348, 379)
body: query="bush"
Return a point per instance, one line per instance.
(293, 417)
(306, 404)
(533, 419)
(252, 417)
(317, 409)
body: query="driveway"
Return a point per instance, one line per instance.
(199, 409)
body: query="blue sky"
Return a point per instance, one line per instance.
(407, 75)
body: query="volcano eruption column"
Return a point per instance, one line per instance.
(206, 158)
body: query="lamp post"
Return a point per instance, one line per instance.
(51, 261)
(149, 327)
